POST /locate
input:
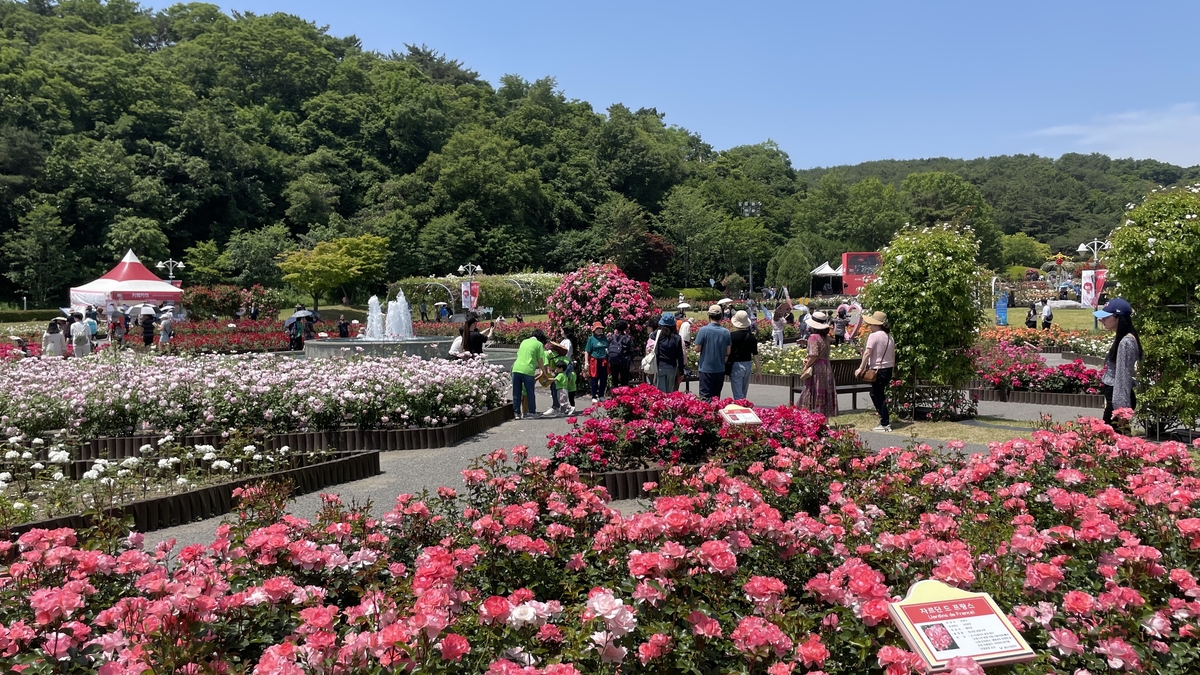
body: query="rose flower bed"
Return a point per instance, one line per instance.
(1088, 539)
(641, 427)
(1011, 367)
(221, 337)
(135, 393)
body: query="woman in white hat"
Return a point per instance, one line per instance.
(820, 392)
(880, 357)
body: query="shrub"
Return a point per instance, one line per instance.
(641, 426)
(506, 295)
(18, 315)
(1154, 257)
(224, 300)
(930, 288)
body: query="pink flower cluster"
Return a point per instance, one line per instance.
(1020, 367)
(1090, 540)
(640, 426)
(601, 292)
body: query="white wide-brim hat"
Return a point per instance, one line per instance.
(817, 321)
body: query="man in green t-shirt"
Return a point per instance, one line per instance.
(531, 356)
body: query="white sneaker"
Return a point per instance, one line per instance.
(550, 412)
(570, 410)
(882, 428)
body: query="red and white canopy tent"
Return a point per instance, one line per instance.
(129, 282)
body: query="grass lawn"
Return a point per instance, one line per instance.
(981, 430)
(1067, 319)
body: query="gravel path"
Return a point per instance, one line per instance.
(411, 471)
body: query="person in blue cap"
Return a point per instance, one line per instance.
(1122, 358)
(669, 355)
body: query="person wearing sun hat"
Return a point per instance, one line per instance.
(879, 356)
(713, 342)
(595, 362)
(1120, 363)
(820, 391)
(743, 355)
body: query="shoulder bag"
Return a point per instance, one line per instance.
(870, 375)
(650, 360)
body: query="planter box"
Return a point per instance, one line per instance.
(1097, 361)
(1040, 398)
(216, 500)
(119, 447)
(627, 484)
(772, 380)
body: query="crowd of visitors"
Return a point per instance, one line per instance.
(78, 333)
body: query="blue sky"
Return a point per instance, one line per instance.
(836, 82)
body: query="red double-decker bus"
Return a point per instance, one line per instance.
(858, 270)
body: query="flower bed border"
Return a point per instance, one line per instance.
(772, 379)
(120, 447)
(1038, 397)
(626, 484)
(1096, 361)
(216, 500)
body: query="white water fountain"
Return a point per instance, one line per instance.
(374, 320)
(399, 319)
(385, 335)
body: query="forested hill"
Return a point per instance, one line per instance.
(226, 139)
(1061, 202)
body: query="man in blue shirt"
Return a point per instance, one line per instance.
(713, 342)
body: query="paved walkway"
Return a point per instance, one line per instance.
(412, 471)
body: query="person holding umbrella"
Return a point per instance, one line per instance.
(294, 327)
(148, 322)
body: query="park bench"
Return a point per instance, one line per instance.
(844, 381)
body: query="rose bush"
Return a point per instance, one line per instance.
(117, 396)
(1088, 539)
(640, 426)
(601, 293)
(1021, 368)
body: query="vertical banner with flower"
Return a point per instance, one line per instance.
(601, 292)
(470, 294)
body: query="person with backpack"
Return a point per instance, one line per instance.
(620, 354)
(1031, 318)
(1047, 315)
(595, 362)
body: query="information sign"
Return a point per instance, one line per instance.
(940, 622)
(736, 414)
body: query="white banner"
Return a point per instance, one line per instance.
(1087, 294)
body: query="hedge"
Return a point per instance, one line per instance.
(17, 315)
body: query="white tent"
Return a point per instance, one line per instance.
(130, 281)
(826, 271)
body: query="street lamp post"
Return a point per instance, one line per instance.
(1094, 247)
(170, 265)
(470, 269)
(749, 210)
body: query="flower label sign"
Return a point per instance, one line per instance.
(941, 622)
(736, 414)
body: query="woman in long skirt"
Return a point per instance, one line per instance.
(820, 392)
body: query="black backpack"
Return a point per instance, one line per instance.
(619, 349)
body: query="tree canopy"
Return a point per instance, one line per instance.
(229, 139)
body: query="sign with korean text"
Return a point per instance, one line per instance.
(736, 414)
(940, 622)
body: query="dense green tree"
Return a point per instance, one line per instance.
(143, 236)
(938, 197)
(36, 255)
(1022, 249)
(253, 255)
(204, 264)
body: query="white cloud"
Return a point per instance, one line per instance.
(1169, 135)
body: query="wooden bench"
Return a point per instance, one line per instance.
(844, 380)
